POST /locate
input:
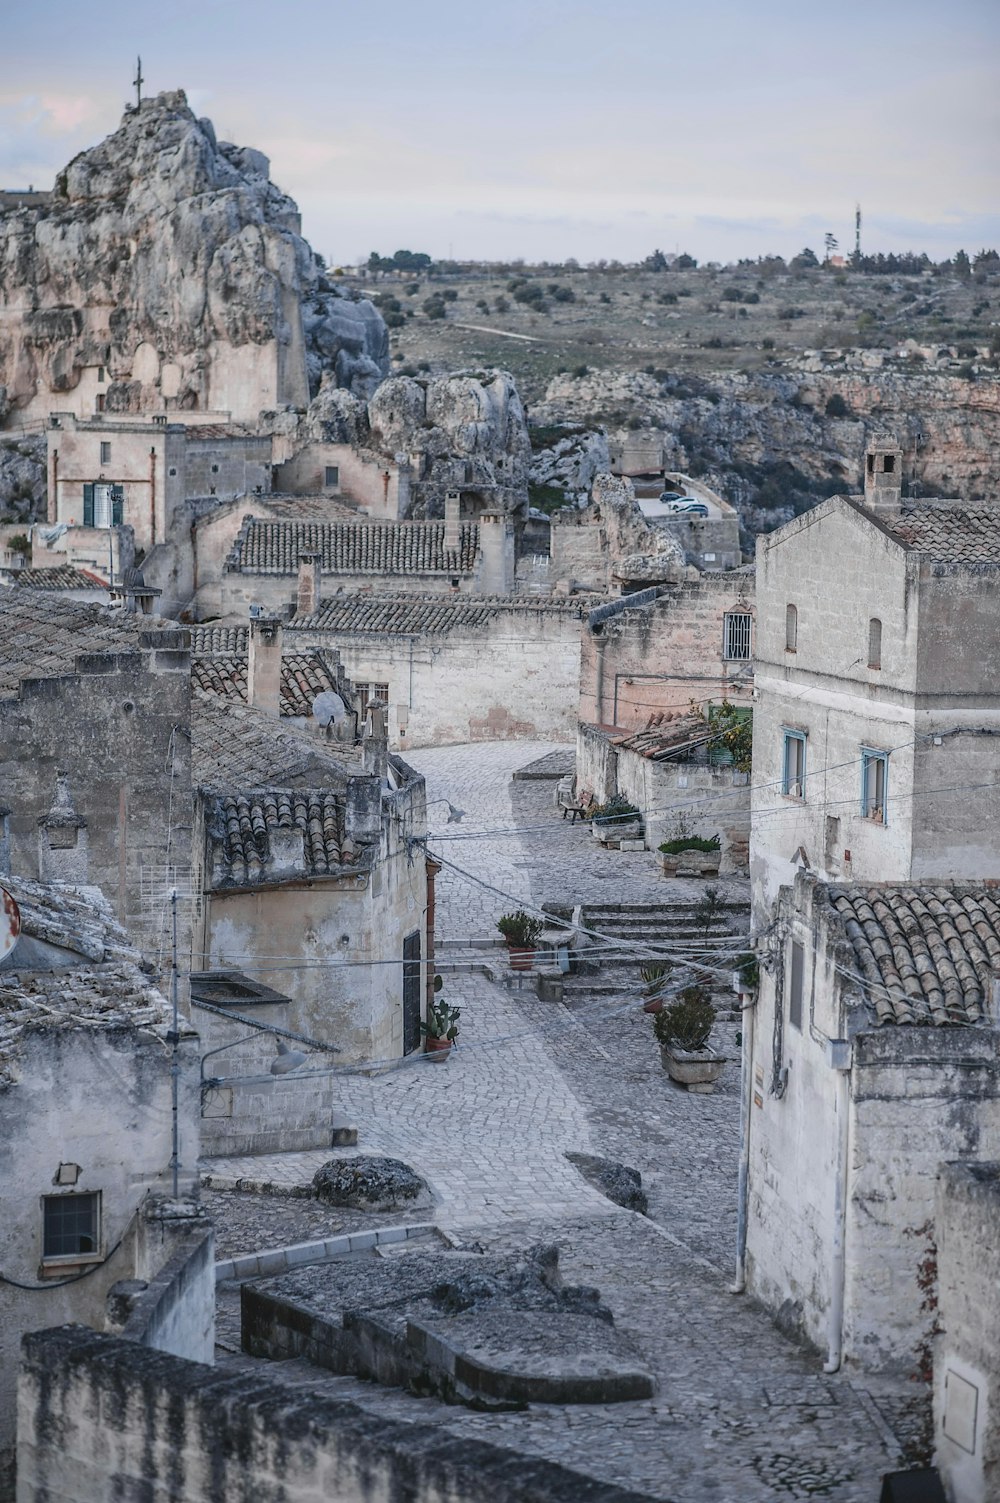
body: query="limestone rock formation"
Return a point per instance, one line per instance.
(765, 440)
(370, 1183)
(22, 479)
(639, 551)
(168, 270)
(569, 463)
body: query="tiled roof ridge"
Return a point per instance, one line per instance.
(242, 824)
(927, 951)
(273, 546)
(425, 611)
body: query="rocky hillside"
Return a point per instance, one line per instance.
(774, 443)
(167, 265)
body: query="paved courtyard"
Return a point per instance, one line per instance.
(741, 1413)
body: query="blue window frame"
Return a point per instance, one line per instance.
(874, 785)
(793, 768)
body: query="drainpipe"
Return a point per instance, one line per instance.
(839, 1054)
(599, 693)
(749, 1017)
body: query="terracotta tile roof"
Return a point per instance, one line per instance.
(436, 614)
(303, 676)
(666, 736)
(62, 577)
(235, 746)
(243, 826)
(311, 508)
(948, 533)
(352, 548)
(220, 641)
(927, 954)
(42, 634)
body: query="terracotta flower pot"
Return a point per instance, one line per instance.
(441, 1047)
(521, 958)
(653, 1004)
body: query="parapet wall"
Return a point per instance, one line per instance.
(101, 1418)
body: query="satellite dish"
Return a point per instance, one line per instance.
(10, 923)
(328, 707)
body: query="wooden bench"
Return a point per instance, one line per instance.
(567, 801)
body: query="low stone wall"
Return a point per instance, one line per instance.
(176, 1311)
(99, 1417)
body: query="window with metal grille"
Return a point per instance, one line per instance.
(874, 784)
(795, 985)
(71, 1226)
(737, 639)
(793, 772)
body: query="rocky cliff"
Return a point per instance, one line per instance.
(168, 270)
(774, 443)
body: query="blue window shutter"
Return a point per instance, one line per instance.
(88, 506)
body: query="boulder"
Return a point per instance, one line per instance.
(617, 1181)
(369, 1183)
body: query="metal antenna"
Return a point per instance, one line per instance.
(175, 1068)
(137, 82)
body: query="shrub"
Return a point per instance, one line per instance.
(520, 929)
(687, 1022)
(690, 843)
(436, 307)
(579, 371)
(442, 1020)
(502, 305)
(19, 543)
(836, 407)
(604, 298)
(616, 811)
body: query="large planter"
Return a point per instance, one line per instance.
(697, 1071)
(690, 863)
(521, 958)
(618, 830)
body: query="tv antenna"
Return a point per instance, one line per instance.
(137, 82)
(857, 232)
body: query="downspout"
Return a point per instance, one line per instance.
(152, 499)
(52, 509)
(749, 1017)
(599, 692)
(840, 1060)
(432, 869)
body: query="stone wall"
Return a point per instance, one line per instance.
(661, 649)
(98, 1418)
(380, 485)
(110, 727)
(276, 592)
(515, 677)
(967, 1351)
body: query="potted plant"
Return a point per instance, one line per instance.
(654, 979)
(615, 820)
(521, 931)
(690, 856)
(683, 1029)
(746, 973)
(441, 1028)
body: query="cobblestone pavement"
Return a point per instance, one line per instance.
(741, 1413)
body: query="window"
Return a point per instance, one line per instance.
(871, 464)
(215, 469)
(172, 471)
(71, 1226)
(874, 784)
(737, 635)
(105, 453)
(795, 985)
(791, 628)
(100, 373)
(874, 643)
(793, 773)
(888, 464)
(331, 475)
(377, 692)
(99, 402)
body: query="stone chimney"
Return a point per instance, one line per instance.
(307, 600)
(264, 664)
(375, 743)
(452, 518)
(62, 839)
(883, 475)
(495, 564)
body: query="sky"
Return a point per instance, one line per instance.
(545, 129)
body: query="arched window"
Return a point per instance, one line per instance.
(874, 643)
(791, 628)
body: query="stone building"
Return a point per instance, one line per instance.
(609, 546)
(282, 683)
(86, 1143)
(458, 667)
(94, 759)
(871, 1055)
(658, 650)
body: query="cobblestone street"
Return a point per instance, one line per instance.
(741, 1413)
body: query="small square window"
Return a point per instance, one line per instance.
(215, 469)
(888, 464)
(793, 772)
(874, 785)
(71, 1226)
(105, 453)
(172, 471)
(331, 475)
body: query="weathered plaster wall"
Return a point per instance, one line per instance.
(379, 485)
(114, 1406)
(48, 1117)
(658, 653)
(275, 592)
(516, 677)
(967, 1352)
